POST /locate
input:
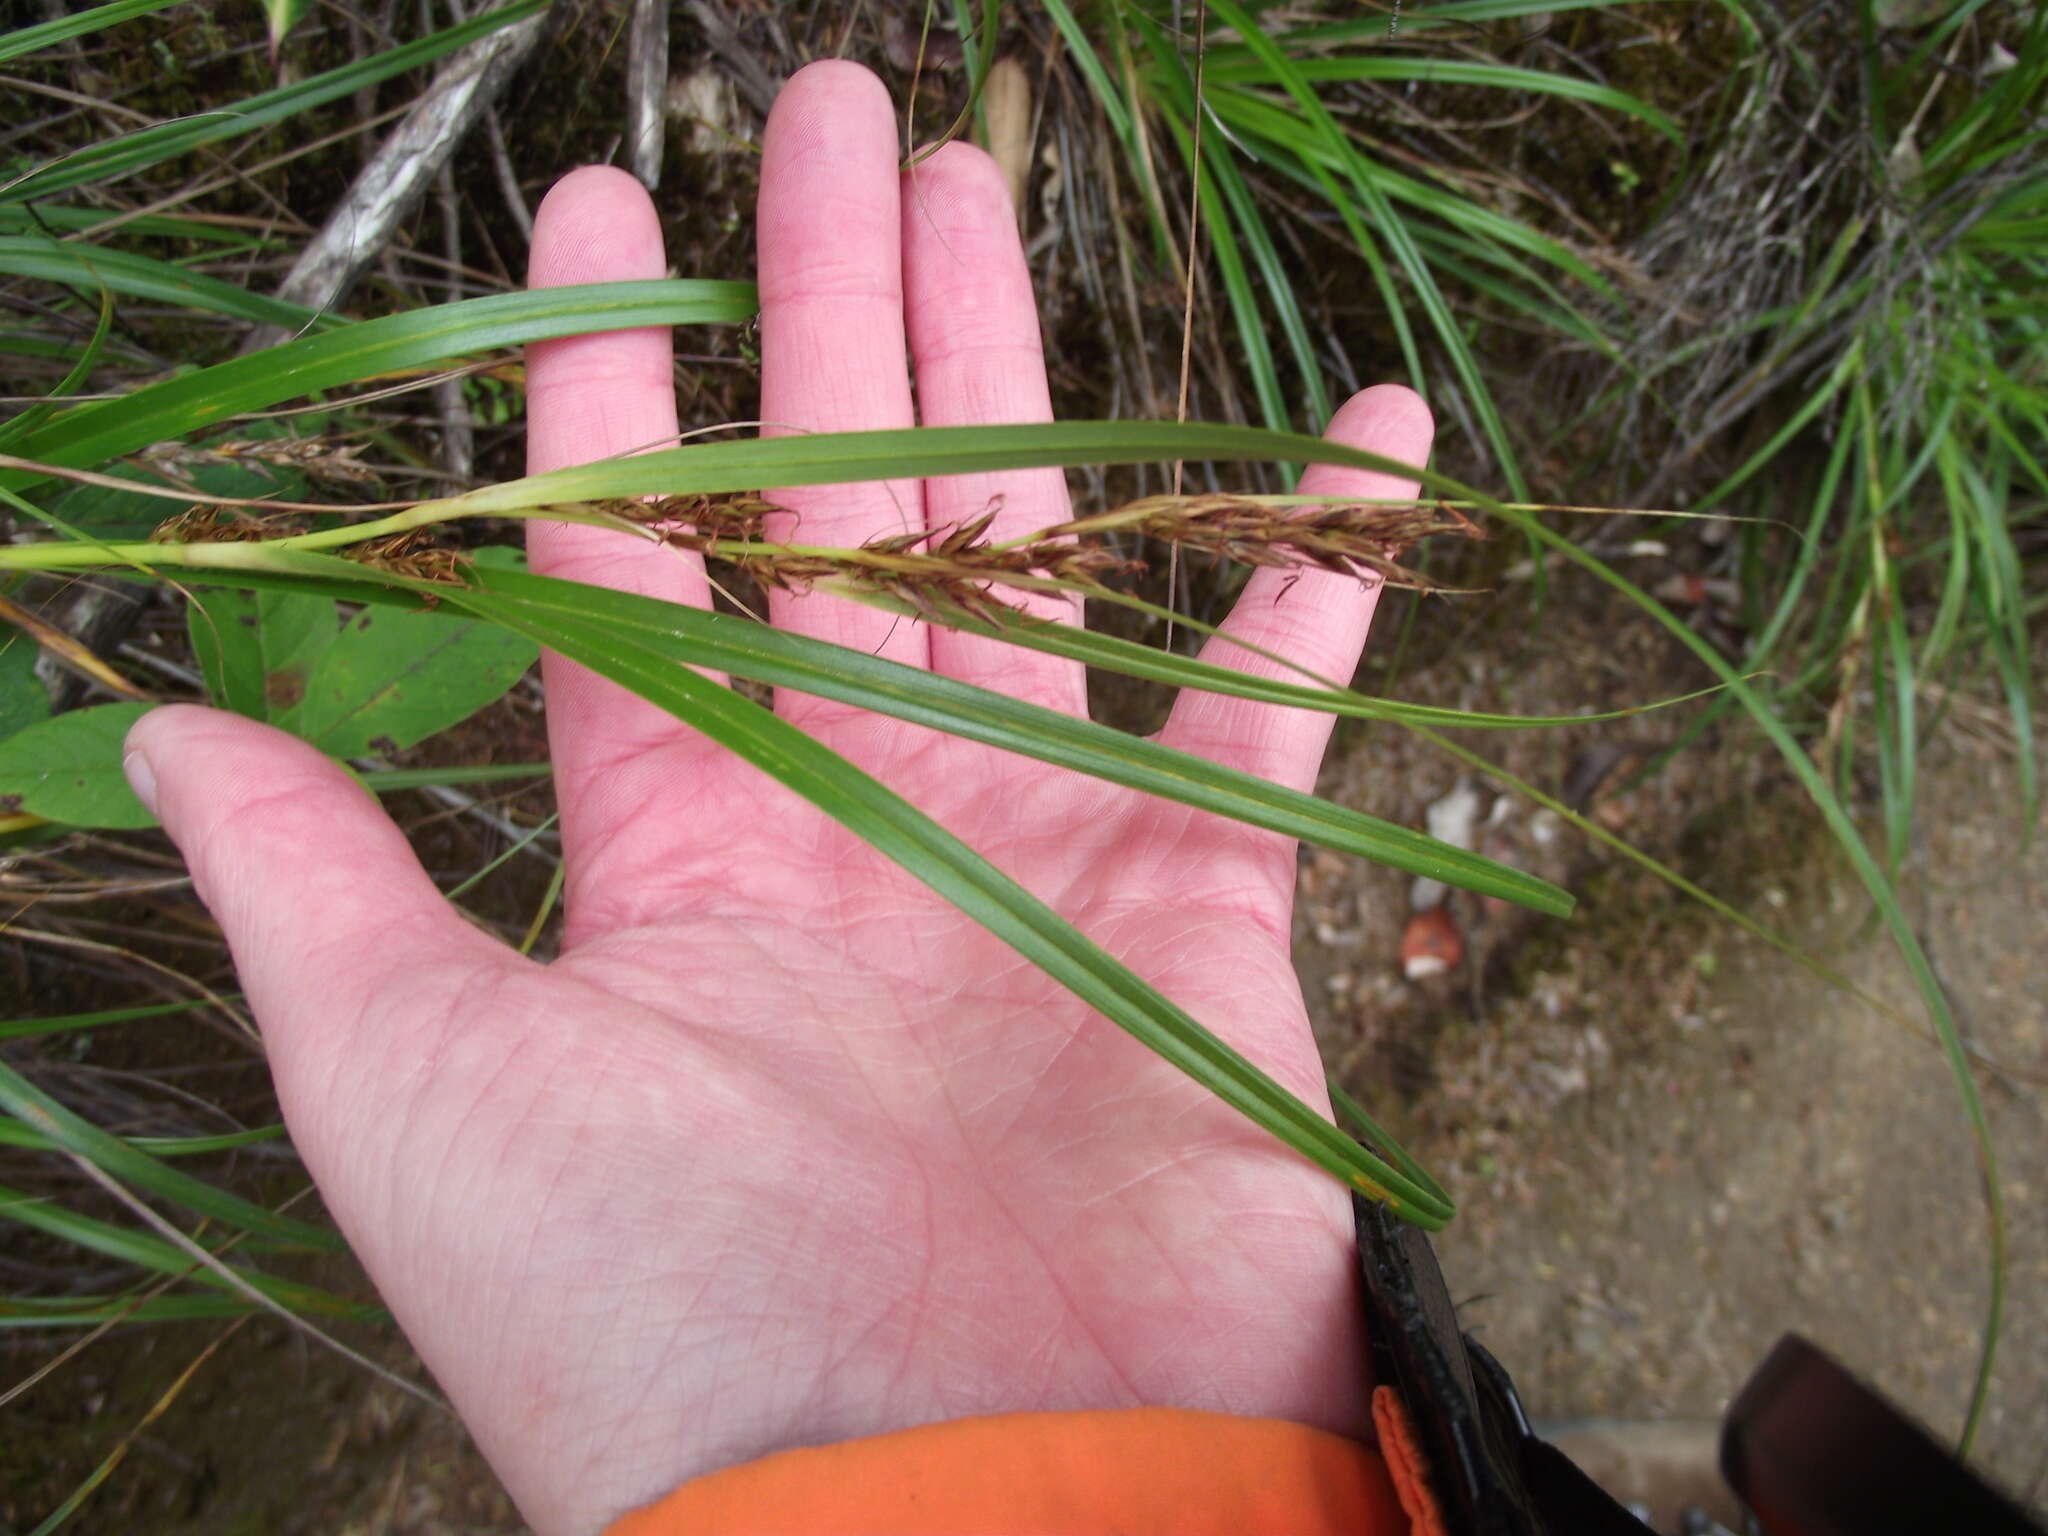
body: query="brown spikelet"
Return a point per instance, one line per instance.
(319, 457)
(689, 522)
(954, 565)
(223, 525)
(413, 554)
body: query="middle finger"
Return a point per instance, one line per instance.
(832, 351)
(974, 338)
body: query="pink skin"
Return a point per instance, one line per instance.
(782, 1149)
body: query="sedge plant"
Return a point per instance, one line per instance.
(265, 567)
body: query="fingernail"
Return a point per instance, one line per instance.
(141, 779)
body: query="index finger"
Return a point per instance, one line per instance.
(592, 397)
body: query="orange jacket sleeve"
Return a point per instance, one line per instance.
(1122, 1472)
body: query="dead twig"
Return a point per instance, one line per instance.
(646, 86)
(396, 178)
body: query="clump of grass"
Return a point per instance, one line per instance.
(1292, 152)
(1873, 314)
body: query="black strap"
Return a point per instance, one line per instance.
(1808, 1448)
(1490, 1473)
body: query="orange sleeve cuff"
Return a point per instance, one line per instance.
(1120, 1472)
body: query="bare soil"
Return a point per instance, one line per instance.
(1671, 1144)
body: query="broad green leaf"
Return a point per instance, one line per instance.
(258, 651)
(90, 434)
(104, 512)
(23, 698)
(391, 679)
(68, 769)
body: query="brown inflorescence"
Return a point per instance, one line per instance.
(223, 525)
(953, 565)
(412, 553)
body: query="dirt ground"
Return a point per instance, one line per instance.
(1669, 1143)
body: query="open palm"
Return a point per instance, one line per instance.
(783, 1149)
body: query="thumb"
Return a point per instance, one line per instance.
(318, 893)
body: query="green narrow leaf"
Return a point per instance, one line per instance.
(145, 1250)
(90, 434)
(57, 1024)
(906, 693)
(1382, 217)
(1433, 69)
(61, 30)
(16, 1133)
(58, 216)
(900, 832)
(1111, 653)
(23, 424)
(282, 16)
(91, 269)
(68, 769)
(23, 1312)
(826, 458)
(43, 1114)
(1850, 840)
(125, 153)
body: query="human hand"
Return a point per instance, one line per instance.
(783, 1149)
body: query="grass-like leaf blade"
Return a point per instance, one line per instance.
(48, 34)
(147, 1251)
(787, 660)
(144, 277)
(126, 1162)
(913, 840)
(91, 434)
(109, 158)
